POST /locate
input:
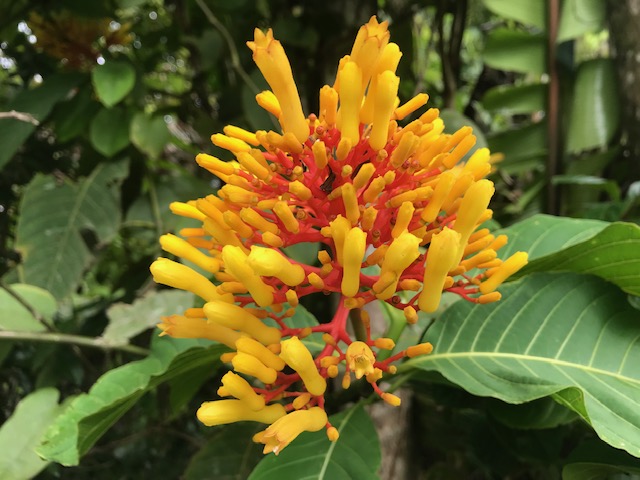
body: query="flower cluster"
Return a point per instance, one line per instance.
(372, 193)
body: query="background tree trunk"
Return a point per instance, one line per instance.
(624, 20)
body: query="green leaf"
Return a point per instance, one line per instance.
(597, 183)
(109, 131)
(579, 17)
(559, 244)
(593, 460)
(524, 148)
(90, 415)
(21, 434)
(355, 455)
(128, 320)
(303, 252)
(72, 117)
(512, 100)
(515, 51)
(571, 336)
(37, 102)
(531, 12)
(113, 81)
(52, 219)
(538, 414)
(595, 110)
(229, 455)
(15, 316)
(149, 133)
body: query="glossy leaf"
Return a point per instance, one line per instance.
(513, 100)
(109, 131)
(113, 81)
(73, 117)
(531, 12)
(579, 17)
(524, 148)
(37, 102)
(515, 51)
(354, 456)
(128, 320)
(52, 219)
(610, 251)
(15, 316)
(230, 454)
(538, 414)
(571, 336)
(21, 434)
(595, 111)
(90, 415)
(149, 134)
(594, 460)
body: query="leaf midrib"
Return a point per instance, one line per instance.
(528, 358)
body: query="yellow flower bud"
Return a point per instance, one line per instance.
(238, 318)
(444, 184)
(355, 244)
(176, 275)
(344, 147)
(257, 221)
(441, 257)
(270, 58)
(315, 280)
(405, 215)
(269, 102)
(328, 105)
(332, 434)
(510, 266)
(301, 401)
(181, 248)
(229, 143)
(368, 218)
(222, 412)
(382, 102)
(420, 349)
(300, 190)
(402, 252)
(214, 165)
(269, 262)
(250, 164)
(186, 210)
(360, 359)
(339, 228)
(285, 429)
(298, 357)
(406, 147)
(410, 315)
(374, 189)
(250, 365)
(258, 350)
(384, 343)
(236, 386)
(272, 240)
(411, 106)
(241, 134)
(350, 93)
(235, 263)
(474, 203)
(391, 399)
(178, 326)
(282, 210)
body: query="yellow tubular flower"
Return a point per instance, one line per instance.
(176, 275)
(387, 61)
(474, 203)
(445, 183)
(300, 190)
(353, 253)
(229, 143)
(420, 349)
(235, 262)
(402, 252)
(385, 94)
(285, 429)
(350, 94)
(186, 210)
(254, 167)
(339, 228)
(406, 147)
(328, 104)
(179, 326)
(271, 263)
(478, 164)
(298, 357)
(368, 218)
(405, 215)
(441, 257)
(371, 39)
(320, 153)
(241, 134)
(238, 387)
(253, 218)
(238, 318)
(262, 353)
(350, 201)
(374, 189)
(510, 266)
(411, 106)
(222, 412)
(214, 165)
(181, 248)
(282, 210)
(250, 365)
(360, 359)
(270, 58)
(269, 102)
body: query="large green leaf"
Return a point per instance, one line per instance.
(515, 51)
(109, 130)
(21, 434)
(524, 148)
(149, 133)
(128, 320)
(355, 455)
(531, 12)
(510, 99)
(16, 316)
(595, 111)
(571, 336)
(37, 102)
(579, 17)
(90, 415)
(229, 455)
(113, 81)
(608, 250)
(53, 217)
(593, 460)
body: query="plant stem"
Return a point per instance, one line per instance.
(72, 340)
(21, 116)
(553, 122)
